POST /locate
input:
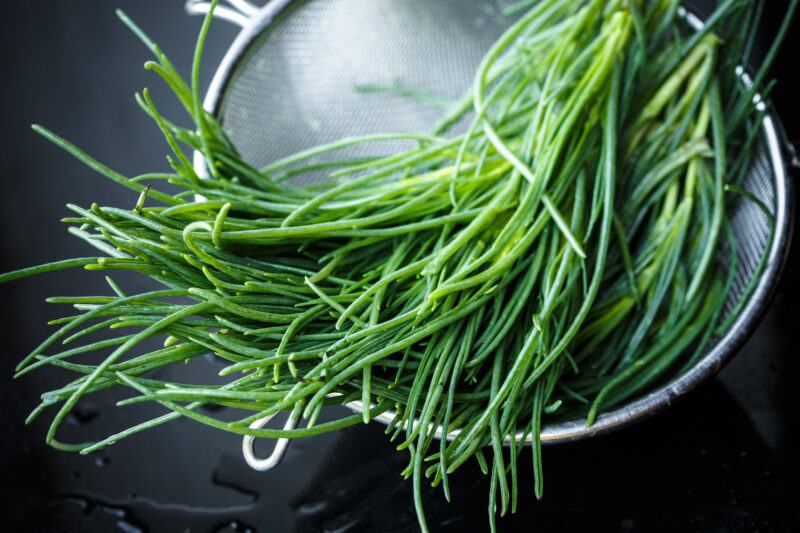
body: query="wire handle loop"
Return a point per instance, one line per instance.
(248, 442)
(238, 12)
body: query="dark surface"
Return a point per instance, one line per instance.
(725, 459)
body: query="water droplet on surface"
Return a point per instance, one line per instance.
(312, 508)
(346, 523)
(218, 479)
(119, 512)
(450, 520)
(83, 503)
(125, 522)
(127, 527)
(234, 526)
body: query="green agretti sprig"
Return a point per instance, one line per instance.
(568, 250)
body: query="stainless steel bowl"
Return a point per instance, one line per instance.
(287, 82)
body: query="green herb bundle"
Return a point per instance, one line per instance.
(566, 252)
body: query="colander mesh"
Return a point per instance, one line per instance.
(295, 87)
(751, 226)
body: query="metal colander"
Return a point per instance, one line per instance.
(290, 80)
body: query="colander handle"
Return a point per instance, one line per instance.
(248, 442)
(239, 12)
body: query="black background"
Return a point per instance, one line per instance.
(725, 459)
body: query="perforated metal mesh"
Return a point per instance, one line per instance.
(751, 225)
(295, 87)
